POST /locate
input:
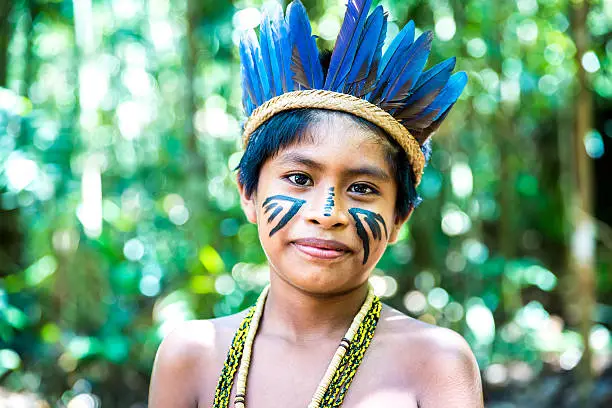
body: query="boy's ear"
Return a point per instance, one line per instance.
(249, 204)
(397, 226)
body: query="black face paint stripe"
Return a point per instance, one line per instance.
(375, 227)
(275, 213)
(271, 206)
(329, 205)
(372, 219)
(363, 235)
(295, 207)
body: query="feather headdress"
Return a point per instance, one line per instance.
(282, 71)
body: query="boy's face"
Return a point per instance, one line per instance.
(339, 188)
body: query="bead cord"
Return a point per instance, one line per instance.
(224, 386)
(344, 377)
(339, 375)
(245, 362)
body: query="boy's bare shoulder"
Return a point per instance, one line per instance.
(434, 360)
(190, 358)
(400, 330)
(198, 339)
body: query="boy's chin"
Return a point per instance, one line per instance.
(321, 282)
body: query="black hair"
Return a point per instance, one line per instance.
(289, 127)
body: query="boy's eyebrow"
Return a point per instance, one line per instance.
(297, 158)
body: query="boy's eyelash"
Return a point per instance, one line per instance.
(373, 190)
(288, 177)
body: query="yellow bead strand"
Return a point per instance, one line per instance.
(341, 351)
(245, 362)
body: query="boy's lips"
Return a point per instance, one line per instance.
(321, 248)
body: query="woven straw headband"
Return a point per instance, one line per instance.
(323, 99)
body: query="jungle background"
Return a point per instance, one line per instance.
(119, 217)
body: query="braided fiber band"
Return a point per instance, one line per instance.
(323, 99)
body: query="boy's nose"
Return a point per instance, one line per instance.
(327, 210)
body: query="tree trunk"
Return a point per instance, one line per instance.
(503, 123)
(191, 57)
(5, 38)
(579, 204)
(11, 238)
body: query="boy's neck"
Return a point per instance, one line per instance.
(300, 317)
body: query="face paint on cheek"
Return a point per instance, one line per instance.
(372, 219)
(329, 205)
(275, 203)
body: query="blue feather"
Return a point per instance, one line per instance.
(305, 55)
(346, 45)
(381, 43)
(269, 54)
(393, 58)
(427, 88)
(423, 134)
(406, 74)
(250, 80)
(282, 41)
(426, 149)
(255, 69)
(248, 96)
(261, 67)
(368, 51)
(404, 38)
(429, 120)
(372, 79)
(445, 67)
(448, 95)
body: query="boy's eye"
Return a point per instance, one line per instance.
(299, 179)
(363, 189)
(303, 180)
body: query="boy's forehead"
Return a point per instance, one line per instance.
(338, 125)
(339, 132)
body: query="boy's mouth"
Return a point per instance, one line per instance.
(321, 248)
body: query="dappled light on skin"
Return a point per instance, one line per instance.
(396, 318)
(207, 333)
(389, 398)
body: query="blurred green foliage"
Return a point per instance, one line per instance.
(120, 123)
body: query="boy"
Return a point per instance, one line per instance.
(328, 191)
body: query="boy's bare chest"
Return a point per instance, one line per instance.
(284, 376)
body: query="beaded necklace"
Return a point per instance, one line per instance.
(339, 375)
